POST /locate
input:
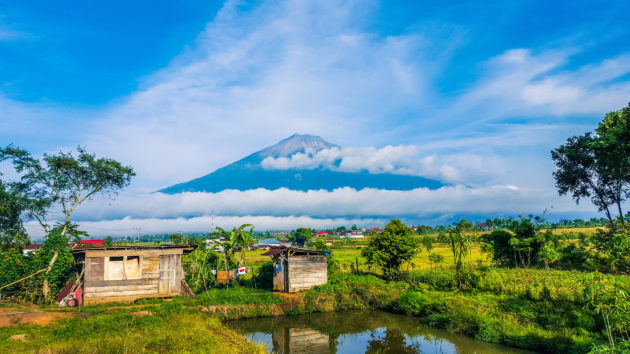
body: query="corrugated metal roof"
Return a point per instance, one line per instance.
(268, 241)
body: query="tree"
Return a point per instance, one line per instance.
(301, 236)
(579, 172)
(238, 238)
(243, 240)
(548, 254)
(522, 244)
(177, 239)
(392, 247)
(613, 147)
(596, 165)
(460, 242)
(12, 233)
(64, 179)
(427, 243)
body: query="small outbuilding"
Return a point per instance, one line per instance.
(296, 269)
(129, 273)
(268, 244)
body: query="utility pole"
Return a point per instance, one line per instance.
(137, 230)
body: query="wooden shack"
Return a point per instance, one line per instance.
(296, 269)
(130, 273)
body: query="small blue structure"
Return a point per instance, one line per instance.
(268, 243)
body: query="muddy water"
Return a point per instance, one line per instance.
(356, 332)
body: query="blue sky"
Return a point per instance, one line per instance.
(479, 92)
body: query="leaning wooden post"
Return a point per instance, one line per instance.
(45, 289)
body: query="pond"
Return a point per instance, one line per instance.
(356, 332)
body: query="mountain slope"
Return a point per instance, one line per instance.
(248, 173)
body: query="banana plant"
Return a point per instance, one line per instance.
(238, 238)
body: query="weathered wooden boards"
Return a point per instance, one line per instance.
(296, 269)
(127, 275)
(279, 275)
(306, 271)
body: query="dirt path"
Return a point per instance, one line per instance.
(14, 317)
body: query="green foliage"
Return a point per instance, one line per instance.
(460, 242)
(436, 259)
(198, 266)
(392, 247)
(523, 245)
(177, 239)
(237, 296)
(108, 241)
(263, 278)
(427, 243)
(612, 248)
(609, 299)
(597, 165)
(237, 239)
(64, 267)
(12, 233)
(301, 235)
(14, 266)
(333, 263)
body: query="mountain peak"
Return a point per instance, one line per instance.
(294, 144)
(248, 173)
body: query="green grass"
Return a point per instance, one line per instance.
(169, 328)
(237, 296)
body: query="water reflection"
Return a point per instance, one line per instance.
(356, 332)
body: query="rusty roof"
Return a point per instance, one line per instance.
(186, 248)
(296, 250)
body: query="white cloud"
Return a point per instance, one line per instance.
(321, 203)
(131, 226)
(521, 83)
(286, 209)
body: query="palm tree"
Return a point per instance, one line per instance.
(244, 239)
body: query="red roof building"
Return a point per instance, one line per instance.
(93, 243)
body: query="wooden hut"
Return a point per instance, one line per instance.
(130, 273)
(296, 269)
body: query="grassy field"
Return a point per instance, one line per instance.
(150, 329)
(536, 309)
(347, 255)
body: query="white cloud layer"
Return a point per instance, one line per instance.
(131, 226)
(288, 209)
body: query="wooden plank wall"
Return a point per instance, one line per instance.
(95, 268)
(151, 267)
(97, 290)
(279, 277)
(306, 271)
